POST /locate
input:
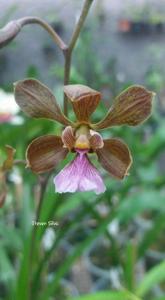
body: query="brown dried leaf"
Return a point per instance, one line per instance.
(115, 157)
(37, 101)
(131, 107)
(44, 153)
(2, 198)
(8, 163)
(84, 100)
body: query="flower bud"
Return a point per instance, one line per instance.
(9, 32)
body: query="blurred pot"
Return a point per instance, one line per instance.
(124, 25)
(69, 288)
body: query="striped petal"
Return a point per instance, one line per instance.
(68, 137)
(115, 157)
(44, 153)
(96, 140)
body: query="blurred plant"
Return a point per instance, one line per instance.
(155, 79)
(9, 109)
(4, 168)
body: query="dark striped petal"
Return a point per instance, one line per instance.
(84, 100)
(44, 153)
(131, 107)
(37, 101)
(68, 137)
(115, 157)
(96, 140)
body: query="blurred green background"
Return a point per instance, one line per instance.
(104, 247)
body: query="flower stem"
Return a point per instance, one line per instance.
(12, 29)
(83, 15)
(68, 52)
(35, 20)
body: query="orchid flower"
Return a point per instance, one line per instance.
(131, 107)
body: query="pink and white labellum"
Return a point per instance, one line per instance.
(79, 175)
(131, 108)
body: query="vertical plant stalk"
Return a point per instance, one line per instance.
(43, 185)
(68, 52)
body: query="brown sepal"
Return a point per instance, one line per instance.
(37, 101)
(131, 107)
(84, 100)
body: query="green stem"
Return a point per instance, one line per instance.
(35, 20)
(69, 50)
(67, 67)
(80, 23)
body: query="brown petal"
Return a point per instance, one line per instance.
(131, 107)
(115, 157)
(37, 101)
(96, 140)
(68, 137)
(44, 153)
(84, 100)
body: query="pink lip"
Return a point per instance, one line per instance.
(79, 175)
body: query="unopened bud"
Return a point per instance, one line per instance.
(9, 32)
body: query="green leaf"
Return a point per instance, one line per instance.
(159, 298)
(61, 233)
(151, 235)
(106, 295)
(129, 266)
(7, 271)
(155, 276)
(139, 202)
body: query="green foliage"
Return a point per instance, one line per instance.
(156, 275)
(83, 217)
(109, 296)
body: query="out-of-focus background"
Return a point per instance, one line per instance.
(107, 242)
